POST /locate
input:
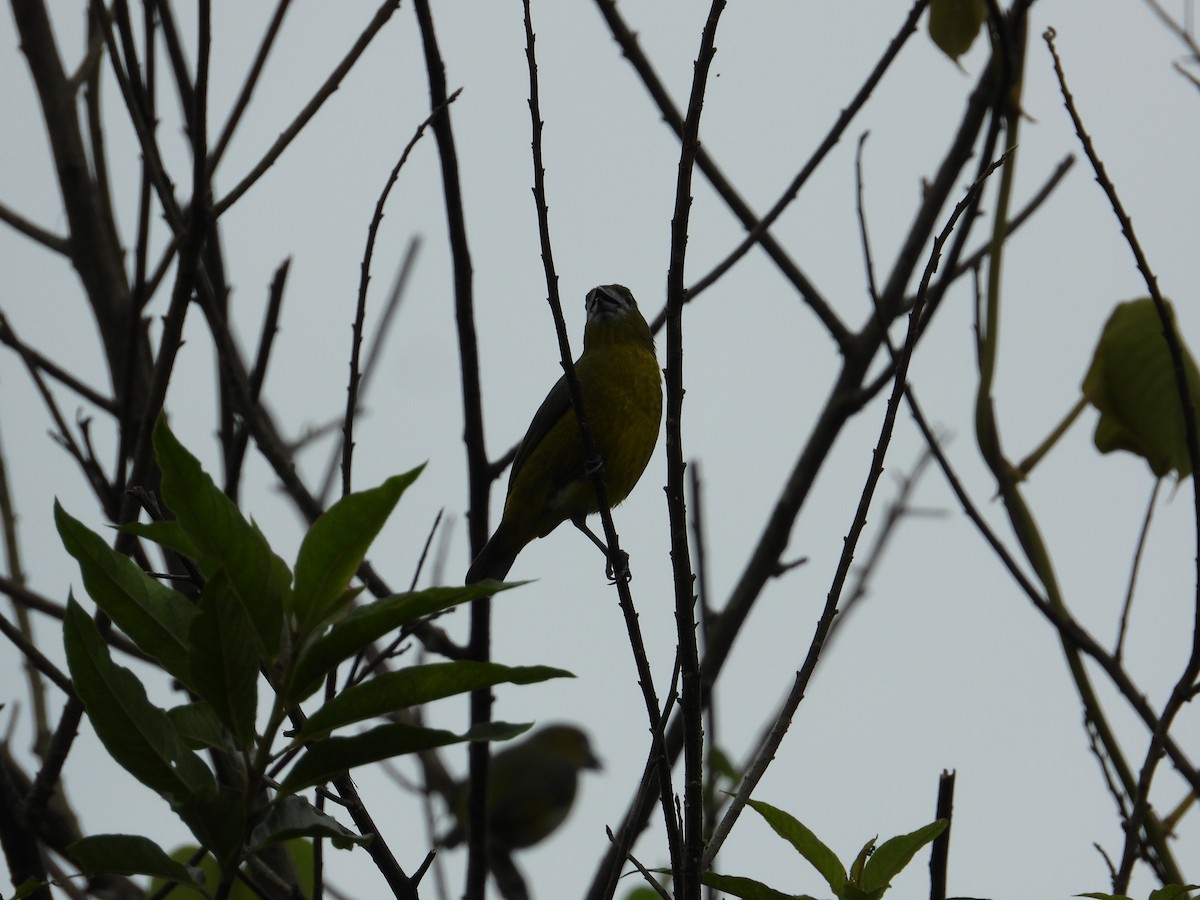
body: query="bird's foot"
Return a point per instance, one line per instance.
(618, 570)
(593, 466)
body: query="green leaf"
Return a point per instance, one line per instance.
(211, 871)
(854, 892)
(954, 24)
(219, 822)
(155, 617)
(896, 853)
(293, 817)
(1132, 383)
(136, 733)
(1099, 896)
(199, 727)
(223, 539)
(860, 862)
(806, 843)
(335, 545)
(331, 757)
(1173, 891)
(169, 534)
(415, 685)
(371, 622)
(224, 665)
(131, 854)
(27, 888)
(746, 888)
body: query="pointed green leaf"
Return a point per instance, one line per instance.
(293, 817)
(219, 822)
(224, 665)
(169, 534)
(131, 854)
(1100, 896)
(331, 757)
(954, 24)
(199, 727)
(746, 888)
(1173, 891)
(223, 539)
(896, 853)
(806, 843)
(1131, 382)
(860, 861)
(372, 621)
(136, 733)
(415, 685)
(335, 545)
(155, 617)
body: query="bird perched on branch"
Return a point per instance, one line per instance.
(531, 787)
(550, 482)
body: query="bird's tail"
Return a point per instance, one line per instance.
(494, 560)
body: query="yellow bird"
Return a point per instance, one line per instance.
(531, 787)
(621, 384)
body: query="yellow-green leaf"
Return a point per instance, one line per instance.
(1132, 383)
(954, 24)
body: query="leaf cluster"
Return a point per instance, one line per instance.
(253, 628)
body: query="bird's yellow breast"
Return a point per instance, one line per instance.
(621, 385)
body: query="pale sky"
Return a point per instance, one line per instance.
(946, 665)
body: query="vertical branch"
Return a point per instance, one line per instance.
(685, 621)
(661, 762)
(478, 471)
(1182, 691)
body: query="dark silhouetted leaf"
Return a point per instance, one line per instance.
(224, 663)
(131, 854)
(223, 539)
(415, 685)
(293, 817)
(136, 733)
(155, 617)
(747, 888)
(371, 622)
(331, 757)
(335, 545)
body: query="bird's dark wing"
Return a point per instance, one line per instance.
(554, 407)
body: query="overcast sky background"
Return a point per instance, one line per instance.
(946, 666)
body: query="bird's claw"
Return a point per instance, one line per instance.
(620, 571)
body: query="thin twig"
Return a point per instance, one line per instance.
(626, 38)
(1133, 569)
(47, 239)
(774, 735)
(244, 95)
(1181, 692)
(360, 314)
(906, 30)
(310, 109)
(36, 360)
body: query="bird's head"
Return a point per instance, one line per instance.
(566, 743)
(613, 316)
